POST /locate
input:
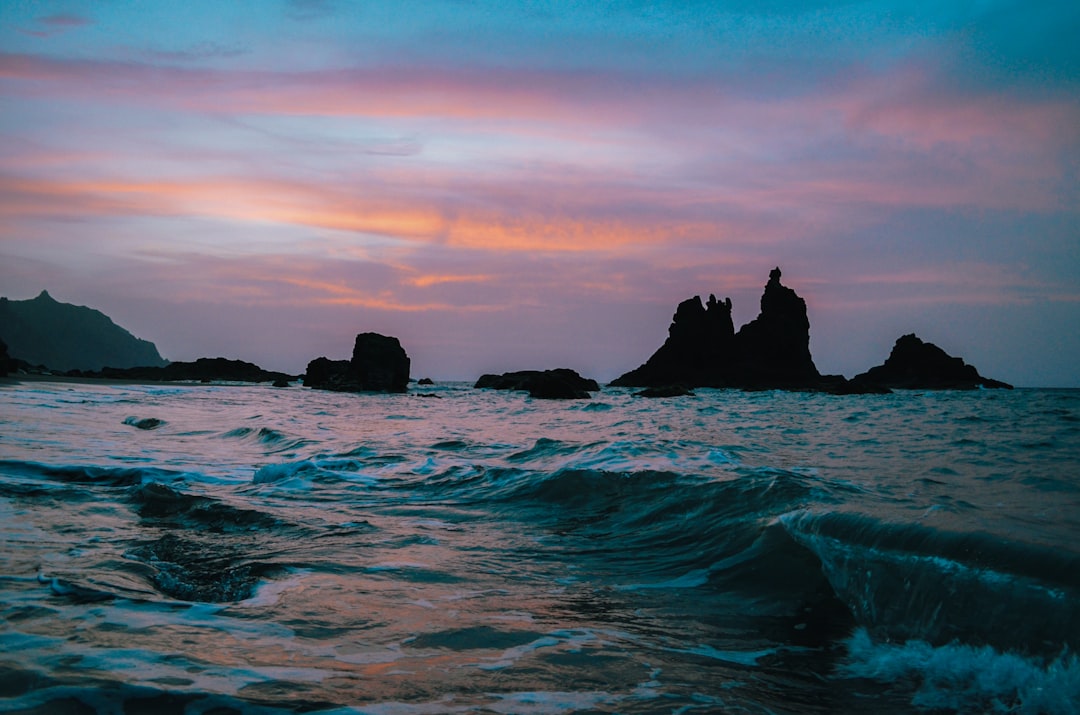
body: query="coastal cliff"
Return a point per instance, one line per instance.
(44, 331)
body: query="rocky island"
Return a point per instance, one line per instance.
(378, 364)
(704, 350)
(216, 369)
(916, 365)
(773, 352)
(558, 384)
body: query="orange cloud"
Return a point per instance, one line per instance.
(428, 280)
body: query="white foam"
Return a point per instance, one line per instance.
(966, 678)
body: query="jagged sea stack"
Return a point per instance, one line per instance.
(774, 348)
(703, 349)
(699, 350)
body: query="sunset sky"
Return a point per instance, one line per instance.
(538, 184)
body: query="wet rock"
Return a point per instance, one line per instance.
(202, 370)
(666, 391)
(558, 384)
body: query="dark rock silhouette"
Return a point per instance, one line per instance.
(146, 423)
(327, 374)
(425, 381)
(773, 350)
(666, 391)
(917, 365)
(703, 349)
(43, 331)
(378, 364)
(7, 365)
(202, 370)
(699, 350)
(558, 384)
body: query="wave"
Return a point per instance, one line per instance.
(90, 474)
(273, 439)
(910, 582)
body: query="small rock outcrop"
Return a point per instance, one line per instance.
(917, 365)
(703, 349)
(378, 364)
(558, 384)
(326, 374)
(666, 391)
(202, 370)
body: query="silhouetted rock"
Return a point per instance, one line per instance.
(281, 383)
(146, 423)
(703, 349)
(379, 364)
(666, 391)
(202, 370)
(773, 350)
(43, 331)
(840, 385)
(327, 374)
(558, 384)
(425, 381)
(699, 350)
(7, 365)
(916, 365)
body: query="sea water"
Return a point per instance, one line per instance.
(221, 548)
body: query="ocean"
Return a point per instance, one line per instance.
(230, 549)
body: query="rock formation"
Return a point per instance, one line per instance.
(378, 364)
(43, 331)
(202, 370)
(703, 349)
(773, 350)
(558, 384)
(700, 349)
(916, 365)
(326, 374)
(665, 391)
(6, 363)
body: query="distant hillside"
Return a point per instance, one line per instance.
(64, 337)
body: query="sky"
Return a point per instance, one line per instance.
(531, 185)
